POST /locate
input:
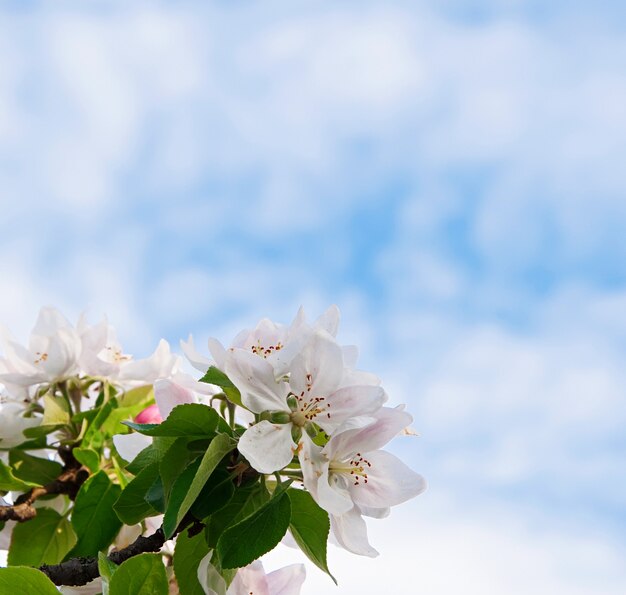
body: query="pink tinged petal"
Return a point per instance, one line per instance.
(349, 402)
(317, 370)
(329, 321)
(250, 579)
(332, 493)
(389, 482)
(267, 446)
(254, 378)
(287, 580)
(350, 531)
(168, 395)
(217, 351)
(150, 415)
(388, 423)
(130, 445)
(195, 358)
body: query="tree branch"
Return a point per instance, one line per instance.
(69, 482)
(80, 571)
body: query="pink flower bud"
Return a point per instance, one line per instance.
(150, 415)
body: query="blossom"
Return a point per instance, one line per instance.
(351, 476)
(276, 343)
(52, 353)
(313, 394)
(252, 579)
(101, 354)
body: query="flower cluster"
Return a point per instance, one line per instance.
(99, 450)
(311, 402)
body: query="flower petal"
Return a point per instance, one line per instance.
(254, 378)
(390, 482)
(318, 368)
(329, 321)
(250, 579)
(267, 446)
(130, 445)
(350, 531)
(195, 358)
(168, 395)
(287, 580)
(210, 579)
(350, 402)
(388, 422)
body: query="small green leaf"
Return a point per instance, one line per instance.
(24, 580)
(56, 410)
(255, 535)
(310, 527)
(93, 517)
(141, 575)
(187, 555)
(45, 539)
(192, 419)
(8, 481)
(218, 449)
(34, 469)
(131, 507)
(217, 377)
(88, 457)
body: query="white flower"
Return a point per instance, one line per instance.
(313, 394)
(101, 353)
(351, 476)
(161, 364)
(277, 343)
(13, 423)
(252, 579)
(52, 353)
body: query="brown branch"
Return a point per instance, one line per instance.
(69, 482)
(80, 571)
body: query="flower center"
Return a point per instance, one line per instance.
(41, 357)
(263, 351)
(356, 468)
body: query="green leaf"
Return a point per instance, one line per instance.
(218, 449)
(39, 432)
(244, 502)
(56, 410)
(310, 527)
(107, 569)
(34, 469)
(142, 395)
(155, 495)
(179, 492)
(93, 517)
(215, 494)
(141, 575)
(257, 534)
(217, 377)
(192, 419)
(88, 457)
(131, 507)
(8, 481)
(45, 539)
(25, 580)
(173, 462)
(187, 555)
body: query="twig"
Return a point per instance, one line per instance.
(69, 482)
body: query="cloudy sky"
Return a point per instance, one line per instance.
(451, 174)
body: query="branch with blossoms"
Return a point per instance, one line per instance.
(120, 465)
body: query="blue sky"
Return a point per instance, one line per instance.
(450, 174)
